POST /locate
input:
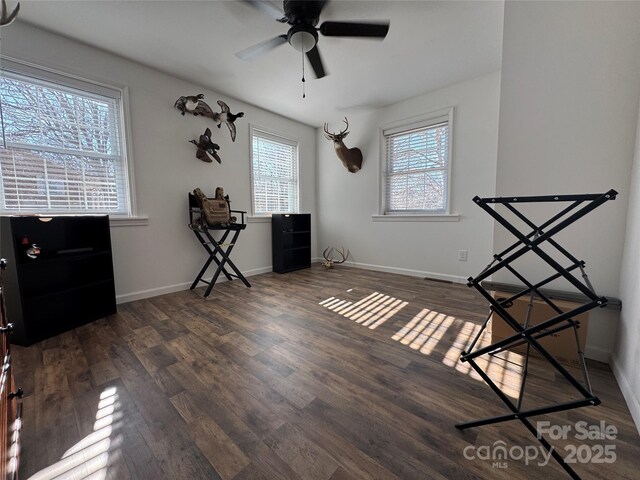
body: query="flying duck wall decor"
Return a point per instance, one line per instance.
(188, 104)
(207, 150)
(196, 105)
(7, 18)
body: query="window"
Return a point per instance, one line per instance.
(418, 158)
(62, 147)
(274, 170)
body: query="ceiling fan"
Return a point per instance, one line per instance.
(303, 16)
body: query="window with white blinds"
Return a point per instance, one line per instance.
(274, 166)
(417, 167)
(62, 146)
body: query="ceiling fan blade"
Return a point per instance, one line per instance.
(266, 7)
(354, 29)
(316, 62)
(323, 4)
(261, 48)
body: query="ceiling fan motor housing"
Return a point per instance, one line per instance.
(302, 37)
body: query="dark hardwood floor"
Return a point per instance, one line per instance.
(317, 374)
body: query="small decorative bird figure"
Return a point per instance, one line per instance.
(228, 118)
(225, 116)
(207, 150)
(189, 104)
(196, 105)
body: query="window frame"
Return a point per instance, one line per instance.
(92, 86)
(277, 136)
(406, 125)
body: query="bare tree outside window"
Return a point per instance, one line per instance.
(62, 150)
(417, 169)
(274, 164)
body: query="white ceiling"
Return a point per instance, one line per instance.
(429, 45)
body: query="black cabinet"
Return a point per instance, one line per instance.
(65, 282)
(291, 241)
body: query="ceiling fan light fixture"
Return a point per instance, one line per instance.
(302, 38)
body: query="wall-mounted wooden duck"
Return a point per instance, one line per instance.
(196, 105)
(207, 150)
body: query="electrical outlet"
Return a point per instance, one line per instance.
(462, 255)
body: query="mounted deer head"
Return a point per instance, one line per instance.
(351, 157)
(329, 262)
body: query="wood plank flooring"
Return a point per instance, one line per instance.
(316, 374)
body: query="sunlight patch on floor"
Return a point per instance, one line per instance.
(371, 311)
(425, 331)
(91, 457)
(14, 449)
(505, 368)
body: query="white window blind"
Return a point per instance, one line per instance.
(62, 146)
(274, 163)
(416, 177)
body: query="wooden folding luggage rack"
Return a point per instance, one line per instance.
(219, 250)
(527, 335)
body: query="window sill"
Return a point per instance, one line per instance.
(259, 219)
(448, 217)
(139, 221)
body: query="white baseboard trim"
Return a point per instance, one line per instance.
(154, 292)
(407, 271)
(633, 402)
(598, 354)
(257, 271)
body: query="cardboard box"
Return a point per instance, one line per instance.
(561, 345)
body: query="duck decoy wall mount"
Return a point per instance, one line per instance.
(207, 150)
(195, 105)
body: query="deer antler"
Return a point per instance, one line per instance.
(332, 136)
(327, 134)
(343, 255)
(6, 19)
(345, 128)
(329, 261)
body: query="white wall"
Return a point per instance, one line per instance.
(165, 255)
(347, 201)
(626, 357)
(568, 108)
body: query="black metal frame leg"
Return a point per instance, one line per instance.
(220, 256)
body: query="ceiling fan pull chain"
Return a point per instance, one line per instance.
(304, 95)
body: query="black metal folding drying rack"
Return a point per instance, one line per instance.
(527, 335)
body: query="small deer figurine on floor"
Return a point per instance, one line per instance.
(351, 157)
